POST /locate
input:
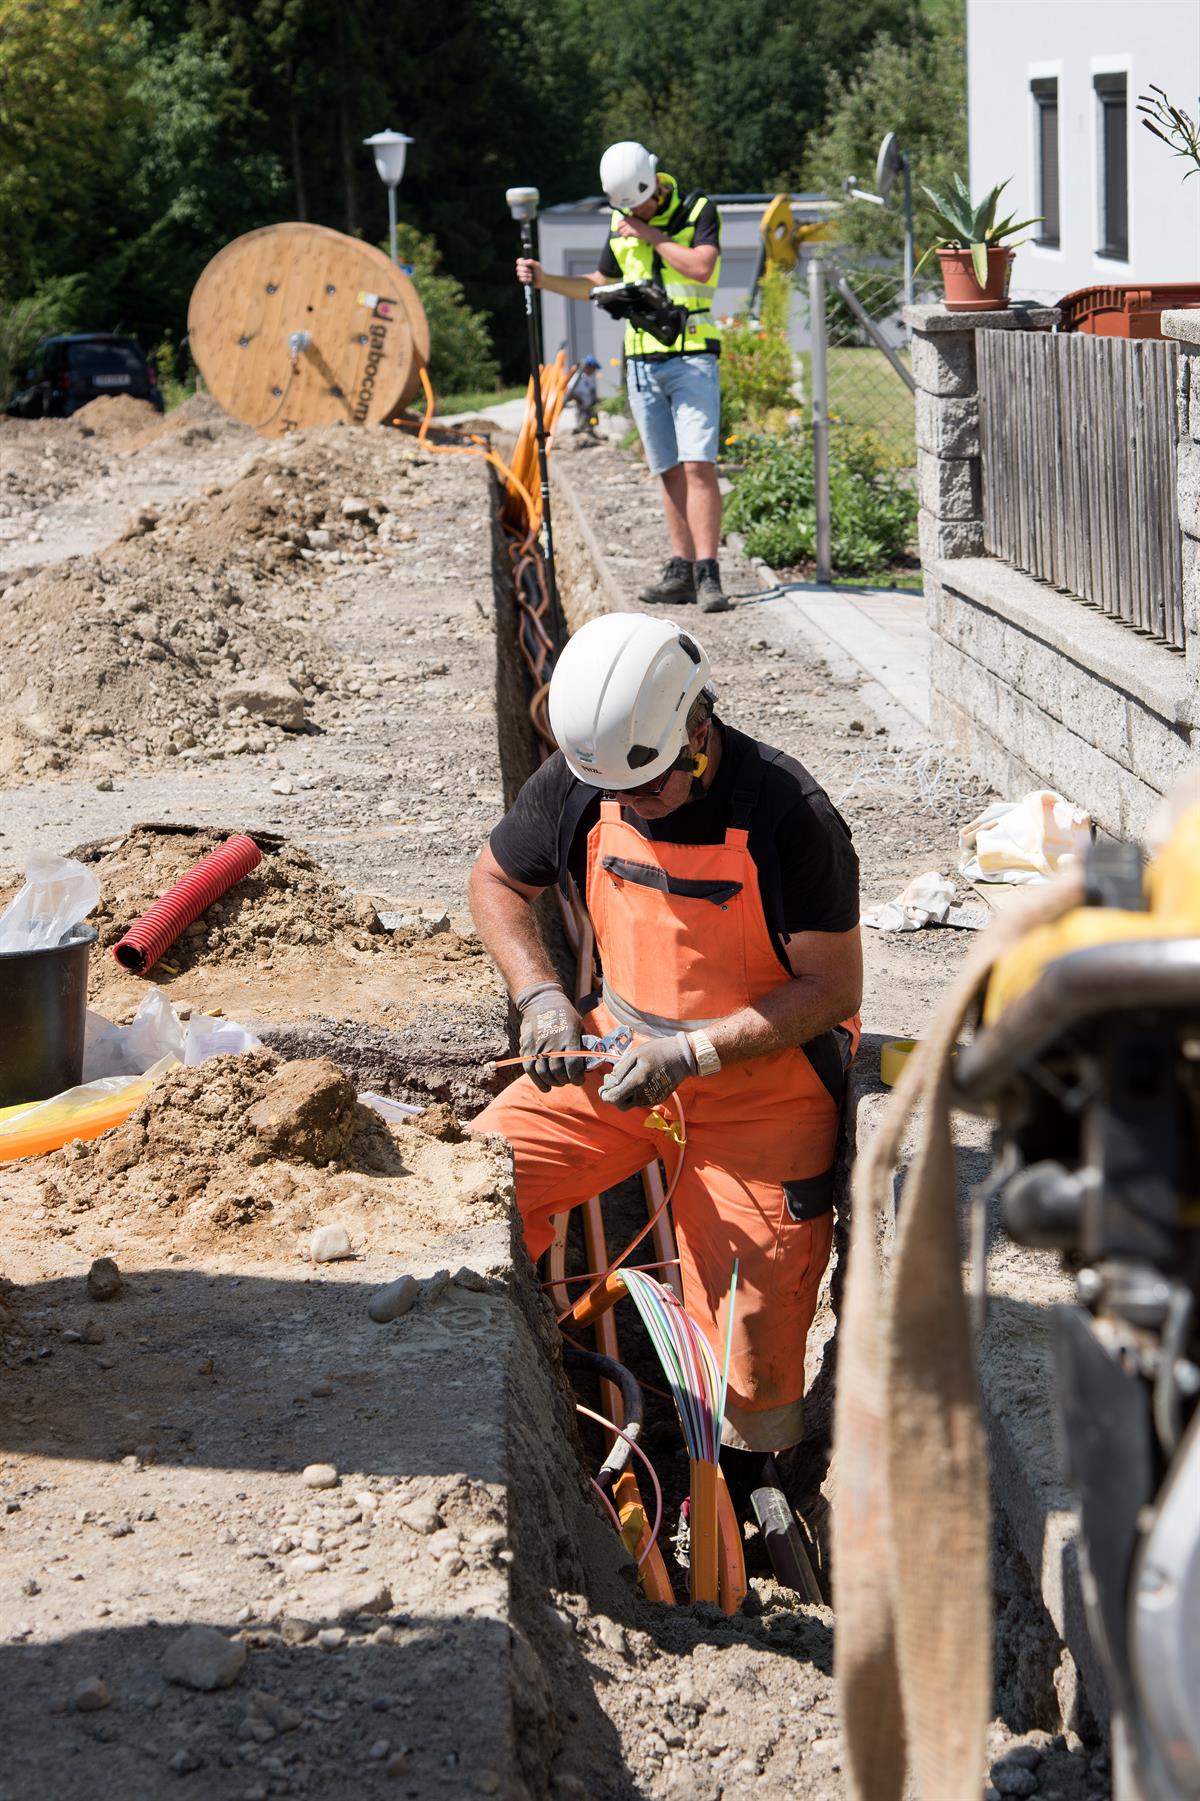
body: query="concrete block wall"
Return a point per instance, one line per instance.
(1033, 687)
(950, 523)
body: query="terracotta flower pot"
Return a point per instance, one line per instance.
(962, 291)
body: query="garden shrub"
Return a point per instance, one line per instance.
(756, 359)
(874, 510)
(461, 357)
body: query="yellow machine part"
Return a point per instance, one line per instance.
(1172, 885)
(783, 237)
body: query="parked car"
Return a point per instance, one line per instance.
(64, 373)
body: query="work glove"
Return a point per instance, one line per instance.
(549, 1026)
(649, 1072)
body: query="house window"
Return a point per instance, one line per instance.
(1045, 100)
(1114, 167)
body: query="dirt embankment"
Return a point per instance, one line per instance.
(262, 1149)
(186, 638)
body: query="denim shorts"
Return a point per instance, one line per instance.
(676, 406)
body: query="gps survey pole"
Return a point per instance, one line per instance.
(523, 205)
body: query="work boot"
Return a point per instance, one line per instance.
(674, 587)
(708, 587)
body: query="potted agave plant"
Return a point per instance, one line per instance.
(972, 249)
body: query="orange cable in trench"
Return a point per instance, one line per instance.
(637, 1450)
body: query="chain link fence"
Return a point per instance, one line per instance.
(867, 394)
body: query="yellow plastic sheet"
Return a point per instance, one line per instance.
(32, 1129)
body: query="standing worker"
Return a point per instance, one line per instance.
(722, 887)
(581, 395)
(657, 234)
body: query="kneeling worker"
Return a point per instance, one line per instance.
(658, 234)
(722, 886)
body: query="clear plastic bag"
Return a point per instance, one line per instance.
(84, 1112)
(216, 1037)
(154, 1031)
(58, 895)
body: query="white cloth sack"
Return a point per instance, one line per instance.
(1027, 840)
(925, 901)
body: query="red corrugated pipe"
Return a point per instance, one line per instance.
(161, 924)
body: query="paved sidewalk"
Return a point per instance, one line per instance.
(882, 630)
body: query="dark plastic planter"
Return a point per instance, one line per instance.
(43, 1014)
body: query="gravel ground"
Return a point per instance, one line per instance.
(152, 1474)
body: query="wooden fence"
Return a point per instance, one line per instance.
(1079, 458)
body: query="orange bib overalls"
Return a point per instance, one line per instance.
(683, 940)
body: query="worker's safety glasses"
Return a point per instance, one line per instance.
(652, 790)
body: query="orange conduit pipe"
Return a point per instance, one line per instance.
(36, 1139)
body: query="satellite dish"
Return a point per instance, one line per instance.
(887, 165)
(297, 325)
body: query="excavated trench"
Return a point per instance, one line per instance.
(1036, 1692)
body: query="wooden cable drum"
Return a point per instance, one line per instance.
(367, 335)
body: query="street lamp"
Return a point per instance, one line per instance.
(390, 149)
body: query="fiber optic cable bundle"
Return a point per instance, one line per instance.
(698, 1389)
(687, 1362)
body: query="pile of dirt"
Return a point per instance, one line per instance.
(105, 665)
(115, 416)
(287, 901)
(304, 503)
(197, 420)
(252, 1141)
(144, 650)
(40, 461)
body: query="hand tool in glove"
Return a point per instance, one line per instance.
(550, 1025)
(650, 1072)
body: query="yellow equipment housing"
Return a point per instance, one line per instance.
(1172, 890)
(783, 236)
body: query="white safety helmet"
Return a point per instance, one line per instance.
(619, 698)
(628, 174)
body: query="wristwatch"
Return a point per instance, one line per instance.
(707, 1060)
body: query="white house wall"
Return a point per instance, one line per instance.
(1012, 42)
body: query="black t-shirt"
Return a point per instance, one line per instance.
(800, 844)
(707, 231)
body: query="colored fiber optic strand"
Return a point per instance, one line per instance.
(687, 1362)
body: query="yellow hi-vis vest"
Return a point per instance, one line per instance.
(639, 261)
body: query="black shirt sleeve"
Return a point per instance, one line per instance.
(608, 264)
(818, 867)
(525, 842)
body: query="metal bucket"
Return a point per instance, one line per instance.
(43, 1015)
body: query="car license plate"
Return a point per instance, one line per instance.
(111, 381)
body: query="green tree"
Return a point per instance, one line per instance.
(726, 93)
(52, 308)
(63, 69)
(916, 88)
